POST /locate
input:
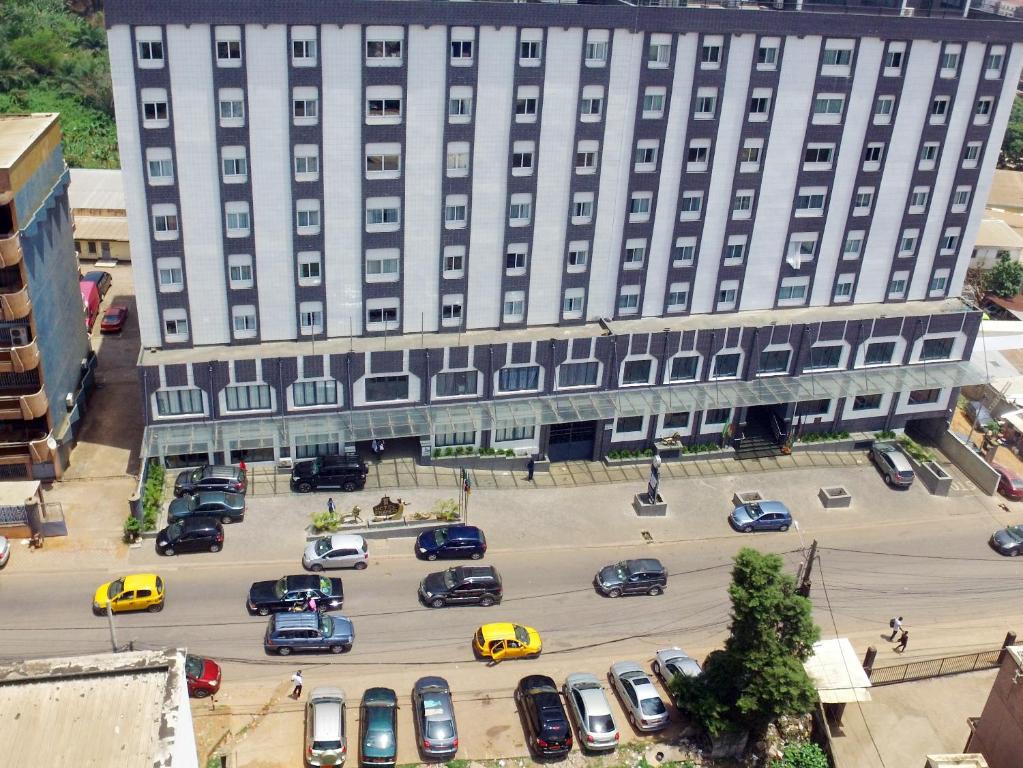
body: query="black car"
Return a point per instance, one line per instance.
(451, 542)
(226, 507)
(632, 577)
(547, 728)
(267, 597)
(210, 477)
(103, 281)
(463, 585)
(196, 534)
(345, 473)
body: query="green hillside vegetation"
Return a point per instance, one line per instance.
(52, 60)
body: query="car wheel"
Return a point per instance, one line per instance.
(747, 529)
(614, 593)
(431, 557)
(632, 720)
(783, 528)
(263, 611)
(214, 547)
(486, 602)
(348, 487)
(476, 555)
(316, 567)
(283, 650)
(1014, 553)
(887, 480)
(304, 487)
(169, 552)
(654, 591)
(360, 566)
(437, 603)
(200, 694)
(155, 608)
(657, 669)
(226, 520)
(336, 648)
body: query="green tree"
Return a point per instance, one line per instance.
(1011, 155)
(801, 754)
(1006, 278)
(759, 675)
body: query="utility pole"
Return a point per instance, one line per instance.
(804, 582)
(113, 633)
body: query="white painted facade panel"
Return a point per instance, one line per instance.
(426, 108)
(784, 153)
(555, 156)
(670, 166)
(197, 166)
(615, 165)
(133, 176)
(342, 177)
(901, 159)
(269, 101)
(859, 111)
(488, 206)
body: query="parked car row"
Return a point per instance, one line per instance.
(205, 500)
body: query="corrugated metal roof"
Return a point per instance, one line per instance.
(1006, 190)
(995, 233)
(96, 189)
(112, 228)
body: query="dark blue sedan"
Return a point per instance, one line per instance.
(761, 516)
(451, 542)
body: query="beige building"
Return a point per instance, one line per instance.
(998, 733)
(97, 208)
(995, 237)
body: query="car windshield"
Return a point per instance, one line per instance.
(317, 465)
(619, 569)
(116, 588)
(281, 587)
(600, 724)
(326, 586)
(193, 666)
(1016, 482)
(326, 625)
(322, 546)
(173, 530)
(439, 729)
(652, 706)
(521, 634)
(323, 746)
(1016, 531)
(196, 475)
(111, 316)
(449, 579)
(754, 511)
(440, 536)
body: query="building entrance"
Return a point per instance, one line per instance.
(572, 441)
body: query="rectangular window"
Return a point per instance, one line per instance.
(717, 416)
(451, 309)
(936, 349)
(381, 315)
(939, 109)
(726, 365)
(247, 397)
(710, 53)
(572, 303)
(309, 272)
(628, 300)
(442, 439)
(461, 51)
(591, 108)
(928, 155)
(379, 108)
(646, 155)
(893, 61)
(813, 408)
(175, 325)
(231, 103)
(636, 372)
(923, 396)
(305, 106)
(515, 258)
(879, 353)
(303, 52)
(706, 103)
(918, 199)
(653, 103)
(817, 157)
(774, 361)
(155, 113)
(760, 105)
(514, 307)
(455, 211)
(684, 368)
(160, 166)
(678, 297)
(460, 104)
(596, 53)
(239, 271)
(853, 245)
(382, 265)
(310, 318)
(178, 402)
(578, 256)
(825, 356)
(866, 402)
(691, 205)
(635, 254)
(383, 214)
(384, 388)
(767, 53)
(685, 252)
(522, 160)
(843, 288)
(309, 393)
(514, 433)
(862, 201)
(307, 162)
(837, 57)
(827, 108)
(639, 206)
(577, 374)
(749, 155)
(629, 424)
(971, 154)
(235, 166)
(519, 379)
(453, 261)
(229, 50)
(529, 52)
(526, 99)
(171, 276)
(456, 383)
(383, 52)
(520, 210)
(150, 52)
(658, 52)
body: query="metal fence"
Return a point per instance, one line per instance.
(948, 665)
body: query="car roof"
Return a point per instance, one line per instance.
(463, 532)
(199, 523)
(646, 564)
(136, 580)
(772, 506)
(295, 620)
(327, 691)
(424, 683)
(626, 666)
(500, 630)
(95, 274)
(341, 540)
(475, 572)
(381, 696)
(223, 496)
(537, 681)
(303, 581)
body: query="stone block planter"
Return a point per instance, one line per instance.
(933, 476)
(835, 497)
(388, 529)
(643, 507)
(494, 463)
(627, 462)
(745, 497)
(724, 453)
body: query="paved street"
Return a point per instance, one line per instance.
(903, 552)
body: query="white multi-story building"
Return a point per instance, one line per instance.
(408, 219)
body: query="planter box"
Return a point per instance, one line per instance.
(388, 529)
(745, 497)
(149, 534)
(644, 508)
(668, 452)
(934, 478)
(724, 453)
(627, 462)
(835, 498)
(475, 461)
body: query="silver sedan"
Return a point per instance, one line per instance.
(639, 697)
(669, 662)
(434, 715)
(591, 711)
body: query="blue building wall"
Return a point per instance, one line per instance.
(52, 276)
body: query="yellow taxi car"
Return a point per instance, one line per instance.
(502, 640)
(136, 592)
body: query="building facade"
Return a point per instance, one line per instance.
(550, 227)
(97, 210)
(46, 362)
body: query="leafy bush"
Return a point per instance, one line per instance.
(446, 509)
(509, 452)
(823, 437)
(449, 451)
(152, 495)
(612, 455)
(885, 434)
(436, 453)
(648, 452)
(132, 529)
(326, 521)
(801, 754)
(914, 449)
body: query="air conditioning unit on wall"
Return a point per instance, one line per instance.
(19, 335)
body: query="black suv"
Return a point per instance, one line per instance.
(632, 577)
(345, 473)
(464, 585)
(547, 728)
(210, 477)
(194, 534)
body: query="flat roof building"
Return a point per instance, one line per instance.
(97, 208)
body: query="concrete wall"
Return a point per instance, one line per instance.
(986, 257)
(973, 465)
(999, 733)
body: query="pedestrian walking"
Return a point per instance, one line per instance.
(330, 506)
(297, 680)
(896, 626)
(530, 466)
(903, 641)
(380, 447)
(241, 465)
(375, 447)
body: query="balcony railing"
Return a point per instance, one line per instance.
(10, 250)
(23, 406)
(19, 359)
(15, 304)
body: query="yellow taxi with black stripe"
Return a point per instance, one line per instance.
(503, 640)
(135, 592)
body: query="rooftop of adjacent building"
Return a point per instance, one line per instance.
(996, 232)
(131, 698)
(96, 191)
(1006, 190)
(19, 134)
(414, 340)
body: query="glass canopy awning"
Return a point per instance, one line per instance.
(385, 423)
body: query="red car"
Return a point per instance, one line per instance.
(203, 676)
(1010, 485)
(114, 319)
